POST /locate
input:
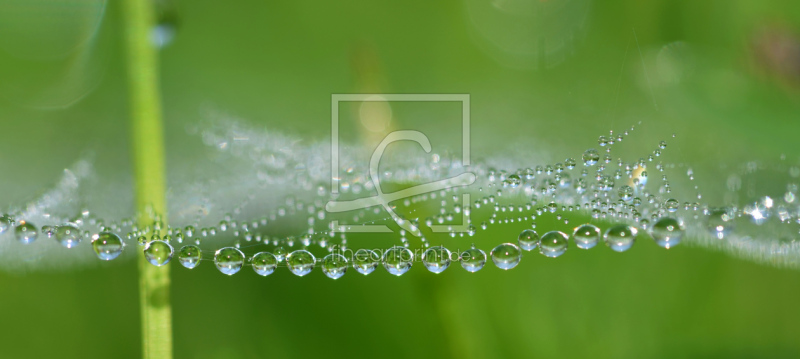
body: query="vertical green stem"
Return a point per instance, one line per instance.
(148, 162)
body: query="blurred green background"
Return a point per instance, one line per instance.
(547, 76)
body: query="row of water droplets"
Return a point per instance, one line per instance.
(607, 190)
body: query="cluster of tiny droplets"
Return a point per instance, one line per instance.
(607, 190)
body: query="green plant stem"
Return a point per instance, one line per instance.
(148, 162)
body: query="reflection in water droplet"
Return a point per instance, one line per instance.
(229, 260)
(26, 232)
(506, 256)
(436, 259)
(528, 239)
(107, 245)
(620, 238)
(397, 260)
(68, 235)
(334, 265)
(473, 259)
(5, 223)
(264, 263)
(667, 232)
(720, 223)
(586, 236)
(553, 244)
(189, 256)
(158, 253)
(300, 262)
(365, 261)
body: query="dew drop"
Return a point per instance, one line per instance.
(720, 223)
(667, 232)
(264, 263)
(528, 239)
(334, 265)
(26, 232)
(436, 259)
(229, 260)
(5, 223)
(553, 244)
(591, 157)
(473, 259)
(586, 236)
(620, 238)
(158, 253)
(68, 235)
(506, 256)
(280, 253)
(397, 260)
(189, 256)
(107, 245)
(671, 205)
(300, 262)
(365, 261)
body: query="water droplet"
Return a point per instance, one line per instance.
(591, 157)
(473, 259)
(513, 181)
(667, 232)
(229, 260)
(48, 231)
(264, 263)
(280, 253)
(107, 245)
(626, 193)
(506, 256)
(528, 239)
(26, 232)
(158, 253)
(720, 223)
(365, 261)
(189, 256)
(671, 205)
(586, 236)
(620, 238)
(300, 262)
(553, 244)
(397, 260)
(68, 235)
(334, 265)
(5, 223)
(436, 259)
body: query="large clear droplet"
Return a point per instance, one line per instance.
(365, 261)
(334, 265)
(436, 259)
(107, 245)
(620, 238)
(398, 260)
(229, 260)
(189, 256)
(158, 253)
(26, 232)
(586, 236)
(506, 256)
(68, 235)
(528, 240)
(667, 232)
(300, 262)
(553, 244)
(473, 259)
(264, 263)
